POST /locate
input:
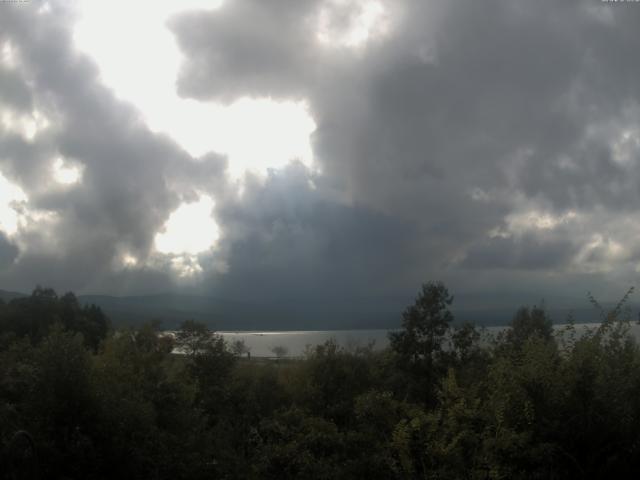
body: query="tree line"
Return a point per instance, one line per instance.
(79, 400)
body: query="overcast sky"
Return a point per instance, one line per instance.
(320, 149)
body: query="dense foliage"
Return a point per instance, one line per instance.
(79, 401)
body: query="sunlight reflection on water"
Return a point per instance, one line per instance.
(296, 342)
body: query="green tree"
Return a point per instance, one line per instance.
(529, 323)
(419, 346)
(280, 351)
(192, 337)
(62, 405)
(333, 378)
(240, 348)
(34, 316)
(210, 363)
(296, 445)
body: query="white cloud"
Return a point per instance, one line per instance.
(8, 55)
(531, 220)
(626, 147)
(27, 125)
(186, 265)
(351, 23)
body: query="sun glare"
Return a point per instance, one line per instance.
(190, 229)
(10, 196)
(265, 133)
(255, 134)
(129, 260)
(65, 173)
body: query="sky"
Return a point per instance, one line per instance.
(320, 149)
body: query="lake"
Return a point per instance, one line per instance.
(295, 342)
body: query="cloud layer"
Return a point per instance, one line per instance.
(491, 144)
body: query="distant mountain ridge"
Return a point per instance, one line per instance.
(220, 314)
(7, 296)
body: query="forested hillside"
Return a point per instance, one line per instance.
(80, 400)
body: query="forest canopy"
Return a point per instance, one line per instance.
(80, 400)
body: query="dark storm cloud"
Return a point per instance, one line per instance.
(8, 252)
(466, 112)
(288, 240)
(13, 91)
(429, 139)
(246, 48)
(531, 252)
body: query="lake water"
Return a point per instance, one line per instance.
(261, 344)
(295, 342)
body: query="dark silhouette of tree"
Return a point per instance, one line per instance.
(193, 337)
(419, 345)
(529, 323)
(439, 403)
(34, 316)
(240, 348)
(279, 351)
